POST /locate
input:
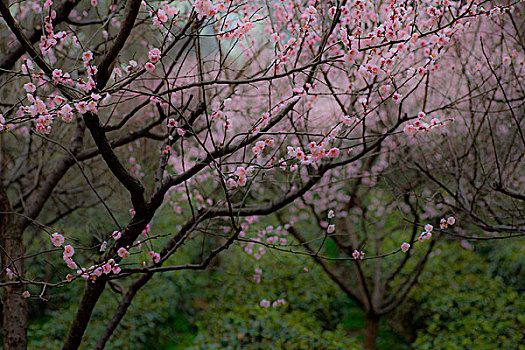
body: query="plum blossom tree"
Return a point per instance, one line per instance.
(467, 169)
(223, 111)
(359, 241)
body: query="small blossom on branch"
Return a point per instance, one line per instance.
(57, 239)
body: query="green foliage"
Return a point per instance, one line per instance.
(464, 300)
(310, 319)
(460, 305)
(506, 260)
(253, 327)
(160, 303)
(165, 301)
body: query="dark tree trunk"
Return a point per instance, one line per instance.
(14, 314)
(87, 304)
(95, 288)
(371, 331)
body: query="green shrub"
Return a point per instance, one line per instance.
(253, 327)
(460, 304)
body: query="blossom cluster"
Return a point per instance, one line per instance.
(93, 271)
(421, 125)
(444, 223)
(271, 236)
(356, 254)
(257, 275)
(266, 303)
(316, 152)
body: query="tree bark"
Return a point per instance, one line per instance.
(87, 304)
(14, 314)
(95, 288)
(371, 331)
(121, 310)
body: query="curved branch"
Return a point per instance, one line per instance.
(62, 12)
(106, 66)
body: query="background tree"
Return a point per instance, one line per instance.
(431, 177)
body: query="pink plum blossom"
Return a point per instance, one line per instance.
(149, 66)
(87, 56)
(57, 239)
(123, 252)
(333, 153)
(154, 55)
(116, 235)
(69, 251)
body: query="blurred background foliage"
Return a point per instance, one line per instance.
(469, 297)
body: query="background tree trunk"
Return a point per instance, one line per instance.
(14, 314)
(371, 331)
